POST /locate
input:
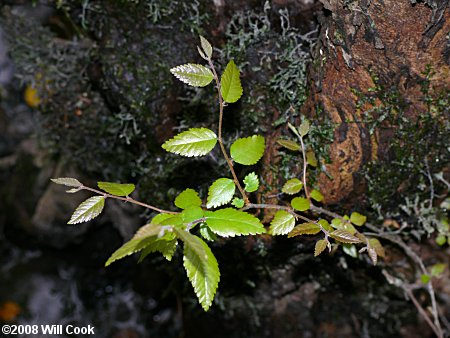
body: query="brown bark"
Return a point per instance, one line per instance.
(391, 39)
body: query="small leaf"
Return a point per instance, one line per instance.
(206, 233)
(350, 250)
(325, 225)
(437, 269)
(304, 128)
(341, 225)
(116, 189)
(425, 278)
(202, 54)
(88, 210)
(316, 195)
(300, 203)
(206, 46)
(187, 198)
(251, 182)
(238, 202)
(292, 186)
(220, 192)
(288, 144)
(311, 158)
(320, 247)
(293, 129)
(441, 240)
(357, 219)
(304, 229)
(376, 245)
(193, 142)
(201, 267)
(193, 74)
(70, 182)
(344, 237)
(282, 223)
(230, 222)
(249, 150)
(230, 84)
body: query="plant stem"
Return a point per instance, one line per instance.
(129, 199)
(219, 138)
(305, 164)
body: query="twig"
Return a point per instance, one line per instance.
(305, 165)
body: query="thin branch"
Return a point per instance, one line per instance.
(305, 165)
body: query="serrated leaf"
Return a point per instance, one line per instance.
(344, 237)
(343, 225)
(316, 195)
(116, 189)
(230, 84)
(304, 128)
(230, 222)
(206, 47)
(350, 250)
(249, 150)
(292, 186)
(192, 142)
(193, 74)
(145, 236)
(300, 203)
(288, 144)
(206, 233)
(325, 225)
(220, 192)
(238, 202)
(311, 158)
(304, 229)
(187, 198)
(73, 190)
(357, 219)
(376, 245)
(282, 223)
(320, 247)
(201, 267)
(88, 210)
(251, 182)
(68, 181)
(202, 53)
(166, 245)
(192, 213)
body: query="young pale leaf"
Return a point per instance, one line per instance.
(293, 129)
(357, 219)
(202, 53)
(311, 158)
(116, 189)
(192, 142)
(372, 255)
(438, 269)
(231, 222)
(230, 84)
(201, 267)
(166, 245)
(292, 186)
(320, 246)
(187, 198)
(350, 250)
(73, 190)
(249, 150)
(376, 245)
(206, 47)
(282, 223)
(344, 237)
(206, 233)
(237, 202)
(316, 195)
(193, 74)
(220, 192)
(304, 128)
(300, 203)
(251, 182)
(304, 229)
(68, 181)
(88, 210)
(288, 144)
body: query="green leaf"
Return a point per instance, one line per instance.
(206, 233)
(350, 250)
(238, 202)
(288, 144)
(206, 47)
(316, 195)
(201, 267)
(192, 142)
(437, 269)
(341, 225)
(304, 229)
(166, 245)
(344, 237)
(311, 158)
(230, 222)
(249, 150)
(325, 225)
(251, 182)
(230, 84)
(187, 198)
(293, 129)
(220, 192)
(282, 223)
(376, 245)
(300, 203)
(441, 240)
(70, 182)
(193, 74)
(320, 246)
(160, 218)
(145, 236)
(304, 128)
(116, 189)
(425, 278)
(88, 210)
(292, 186)
(192, 213)
(357, 219)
